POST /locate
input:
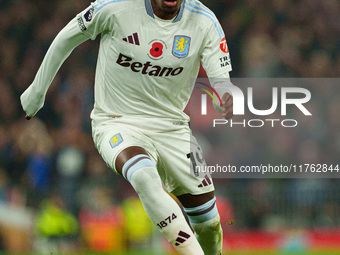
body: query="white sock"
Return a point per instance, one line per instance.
(205, 221)
(163, 211)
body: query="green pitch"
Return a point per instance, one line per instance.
(162, 253)
(227, 253)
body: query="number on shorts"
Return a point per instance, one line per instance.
(196, 159)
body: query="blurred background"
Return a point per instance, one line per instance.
(58, 196)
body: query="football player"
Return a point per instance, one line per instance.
(149, 57)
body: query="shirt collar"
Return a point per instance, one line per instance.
(149, 11)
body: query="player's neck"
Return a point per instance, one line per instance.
(165, 17)
(164, 20)
(162, 13)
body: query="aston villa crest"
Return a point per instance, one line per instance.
(181, 46)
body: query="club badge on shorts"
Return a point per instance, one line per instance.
(116, 140)
(181, 46)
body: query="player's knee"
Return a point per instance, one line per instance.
(141, 172)
(211, 227)
(203, 213)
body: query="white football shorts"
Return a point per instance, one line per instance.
(169, 144)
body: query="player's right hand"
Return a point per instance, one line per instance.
(31, 102)
(227, 106)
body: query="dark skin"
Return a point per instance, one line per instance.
(227, 106)
(164, 11)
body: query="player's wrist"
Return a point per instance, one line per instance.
(32, 101)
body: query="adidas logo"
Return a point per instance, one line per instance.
(133, 39)
(205, 182)
(182, 238)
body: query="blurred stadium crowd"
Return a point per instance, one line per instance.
(55, 190)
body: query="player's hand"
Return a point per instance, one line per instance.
(227, 106)
(31, 102)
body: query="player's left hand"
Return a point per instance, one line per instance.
(227, 106)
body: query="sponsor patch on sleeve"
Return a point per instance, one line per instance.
(85, 17)
(81, 23)
(224, 46)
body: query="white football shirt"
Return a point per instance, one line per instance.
(147, 66)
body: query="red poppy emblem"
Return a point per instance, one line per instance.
(156, 50)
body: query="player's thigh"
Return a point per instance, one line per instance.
(179, 155)
(112, 141)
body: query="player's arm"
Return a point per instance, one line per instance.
(216, 62)
(87, 25)
(32, 100)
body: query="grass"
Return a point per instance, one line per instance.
(263, 252)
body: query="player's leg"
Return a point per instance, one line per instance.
(205, 220)
(136, 166)
(180, 153)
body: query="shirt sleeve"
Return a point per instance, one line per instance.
(32, 100)
(215, 56)
(97, 18)
(86, 25)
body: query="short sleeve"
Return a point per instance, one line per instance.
(95, 19)
(215, 56)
